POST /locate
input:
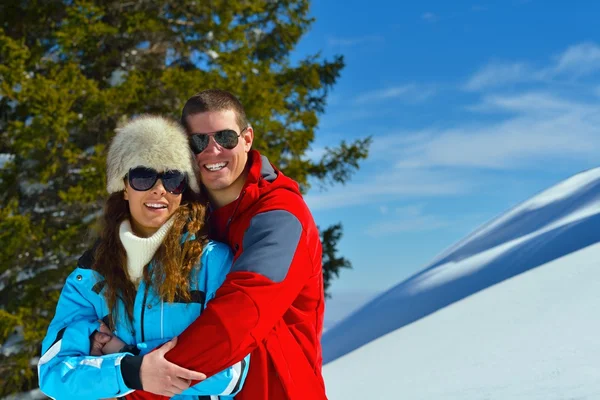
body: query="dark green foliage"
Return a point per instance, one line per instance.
(332, 264)
(70, 70)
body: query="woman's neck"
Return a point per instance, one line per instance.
(141, 250)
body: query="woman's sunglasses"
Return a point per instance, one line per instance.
(143, 179)
(227, 138)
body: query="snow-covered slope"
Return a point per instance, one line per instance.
(509, 312)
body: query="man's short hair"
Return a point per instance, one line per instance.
(214, 100)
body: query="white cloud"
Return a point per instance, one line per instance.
(334, 99)
(386, 101)
(315, 154)
(382, 94)
(354, 41)
(478, 7)
(429, 17)
(546, 128)
(576, 61)
(416, 224)
(409, 211)
(409, 92)
(407, 219)
(557, 124)
(529, 103)
(389, 185)
(581, 59)
(498, 74)
(336, 119)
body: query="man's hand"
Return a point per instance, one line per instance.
(159, 376)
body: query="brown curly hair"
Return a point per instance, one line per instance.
(172, 262)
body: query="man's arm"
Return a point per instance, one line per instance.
(264, 281)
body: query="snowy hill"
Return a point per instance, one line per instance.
(508, 313)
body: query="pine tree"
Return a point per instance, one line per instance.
(70, 70)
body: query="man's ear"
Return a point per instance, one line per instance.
(248, 137)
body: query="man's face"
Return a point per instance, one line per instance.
(221, 169)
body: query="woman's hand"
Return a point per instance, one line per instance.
(98, 339)
(114, 345)
(104, 342)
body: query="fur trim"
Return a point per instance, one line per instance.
(149, 141)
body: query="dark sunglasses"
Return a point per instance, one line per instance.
(227, 138)
(143, 179)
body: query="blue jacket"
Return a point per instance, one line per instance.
(67, 371)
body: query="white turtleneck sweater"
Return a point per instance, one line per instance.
(140, 250)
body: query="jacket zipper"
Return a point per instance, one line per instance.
(143, 311)
(234, 212)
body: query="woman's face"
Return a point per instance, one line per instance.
(150, 209)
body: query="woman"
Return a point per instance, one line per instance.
(150, 275)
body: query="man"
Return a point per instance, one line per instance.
(271, 303)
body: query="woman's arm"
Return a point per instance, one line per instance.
(66, 370)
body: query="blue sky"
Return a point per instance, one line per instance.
(473, 106)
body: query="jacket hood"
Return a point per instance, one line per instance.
(263, 178)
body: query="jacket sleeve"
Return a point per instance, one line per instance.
(264, 281)
(65, 369)
(225, 383)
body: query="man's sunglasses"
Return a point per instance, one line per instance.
(227, 138)
(143, 179)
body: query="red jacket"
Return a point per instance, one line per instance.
(271, 303)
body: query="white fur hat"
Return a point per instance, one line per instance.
(149, 141)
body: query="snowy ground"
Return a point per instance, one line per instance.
(32, 395)
(508, 313)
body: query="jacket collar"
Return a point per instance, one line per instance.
(262, 178)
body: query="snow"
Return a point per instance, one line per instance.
(4, 158)
(508, 313)
(561, 191)
(28, 273)
(118, 76)
(32, 395)
(92, 216)
(33, 188)
(13, 343)
(212, 54)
